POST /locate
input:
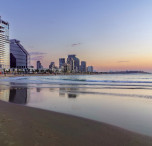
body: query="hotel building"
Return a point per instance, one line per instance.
(19, 57)
(4, 45)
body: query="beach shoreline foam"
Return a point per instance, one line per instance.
(21, 125)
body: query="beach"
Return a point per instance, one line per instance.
(20, 125)
(76, 110)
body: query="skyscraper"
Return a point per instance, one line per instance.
(52, 65)
(74, 62)
(61, 62)
(39, 66)
(4, 45)
(19, 57)
(83, 66)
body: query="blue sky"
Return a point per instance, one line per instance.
(108, 34)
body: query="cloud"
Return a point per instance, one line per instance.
(123, 61)
(37, 55)
(76, 44)
(37, 58)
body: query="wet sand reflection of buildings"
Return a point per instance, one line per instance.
(19, 96)
(69, 92)
(15, 95)
(38, 89)
(4, 94)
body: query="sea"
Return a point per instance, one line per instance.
(123, 100)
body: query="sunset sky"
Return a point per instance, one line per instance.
(108, 34)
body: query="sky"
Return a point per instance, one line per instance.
(110, 35)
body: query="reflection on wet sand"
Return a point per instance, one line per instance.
(22, 95)
(19, 96)
(15, 95)
(72, 95)
(62, 92)
(38, 89)
(70, 92)
(4, 94)
(113, 106)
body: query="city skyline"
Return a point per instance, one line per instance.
(110, 35)
(71, 64)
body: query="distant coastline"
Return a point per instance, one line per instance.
(125, 72)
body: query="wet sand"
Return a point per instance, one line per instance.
(25, 126)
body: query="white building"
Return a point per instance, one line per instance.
(4, 45)
(90, 69)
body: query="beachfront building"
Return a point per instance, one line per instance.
(19, 57)
(90, 69)
(61, 62)
(66, 68)
(74, 63)
(52, 65)
(83, 66)
(4, 45)
(39, 65)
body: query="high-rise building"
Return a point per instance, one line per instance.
(90, 69)
(52, 65)
(61, 62)
(66, 68)
(39, 65)
(74, 62)
(19, 57)
(83, 66)
(4, 45)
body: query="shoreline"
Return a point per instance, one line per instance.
(64, 74)
(21, 125)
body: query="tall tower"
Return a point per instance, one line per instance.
(61, 62)
(39, 66)
(4, 45)
(74, 62)
(83, 66)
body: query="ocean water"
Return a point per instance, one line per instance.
(123, 100)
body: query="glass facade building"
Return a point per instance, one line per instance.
(4, 45)
(83, 66)
(39, 65)
(61, 62)
(52, 65)
(74, 62)
(20, 58)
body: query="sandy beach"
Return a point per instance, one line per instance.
(21, 125)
